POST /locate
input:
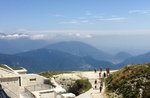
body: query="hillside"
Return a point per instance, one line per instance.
(46, 60)
(122, 56)
(140, 59)
(80, 49)
(130, 82)
(98, 63)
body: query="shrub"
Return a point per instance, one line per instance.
(129, 80)
(80, 86)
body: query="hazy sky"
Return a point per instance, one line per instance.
(77, 16)
(103, 23)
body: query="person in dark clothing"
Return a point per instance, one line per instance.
(95, 81)
(95, 70)
(99, 74)
(100, 89)
(104, 74)
(95, 87)
(101, 84)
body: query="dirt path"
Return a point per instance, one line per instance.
(93, 92)
(92, 76)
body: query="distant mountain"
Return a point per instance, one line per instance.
(140, 59)
(98, 63)
(15, 61)
(12, 46)
(80, 49)
(121, 56)
(46, 60)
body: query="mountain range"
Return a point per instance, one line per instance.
(70, 55)
(48, 58)
(80, 49)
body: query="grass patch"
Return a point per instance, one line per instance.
(80, 86)
(17, 68)
(131, 81)
(5, 67)
(51, 73)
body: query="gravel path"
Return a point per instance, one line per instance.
(92, 76)
(93, 92)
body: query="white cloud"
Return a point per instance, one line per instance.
(88, 36)
(140, 11)
(77, 21)
(87, 18)
(70, 34)
(114, 19)
(13, 36)
(80, 35)
(38, 37)
(93, 32)
(58, 15)
(77, 35)
(71, 21)
(68, 22)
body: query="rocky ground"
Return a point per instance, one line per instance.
(66, 80)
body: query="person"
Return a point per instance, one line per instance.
(104, 74)
(95, 81)
(101, 84)
(95, 70)
(107, 71)
(95, 87)
(100, 89)
(99, 74)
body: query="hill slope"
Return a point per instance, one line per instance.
(80, 49)
(122, 56)
(130, 82)
(140, 59)
(47, 59)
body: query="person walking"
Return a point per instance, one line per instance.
(95, 87)
(99, 74)
(107, 71)
(95, 81)
(95, 70)
(100, 89)
(104, 74)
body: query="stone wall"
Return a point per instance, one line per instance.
(31, 79)
(11, 86)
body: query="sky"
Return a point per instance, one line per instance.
(75, 15)
(82, 19)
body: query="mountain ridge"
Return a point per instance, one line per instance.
(46, 59)
(79, 49)
(140, 59)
